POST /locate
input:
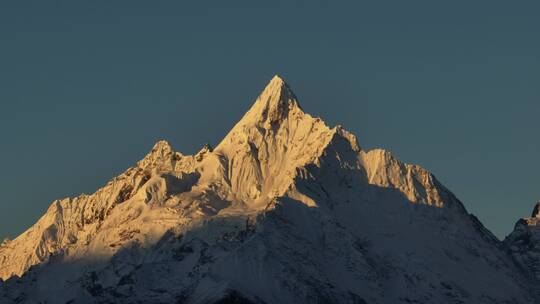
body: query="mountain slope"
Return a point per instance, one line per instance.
(284, 210)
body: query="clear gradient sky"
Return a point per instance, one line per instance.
(87, 87)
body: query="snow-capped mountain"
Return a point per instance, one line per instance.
(524, 243)
(284, 210)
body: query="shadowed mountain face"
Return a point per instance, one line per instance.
(284, 210)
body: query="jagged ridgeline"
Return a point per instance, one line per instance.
(284, 210)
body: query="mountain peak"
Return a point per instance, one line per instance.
(536, 210)
(273, 104)
(161, 151)
(277, 82)
(277, 78)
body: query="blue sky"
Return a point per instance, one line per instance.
(87, 87)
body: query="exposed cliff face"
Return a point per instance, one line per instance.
(284, 210)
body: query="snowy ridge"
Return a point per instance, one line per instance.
(284, 210)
